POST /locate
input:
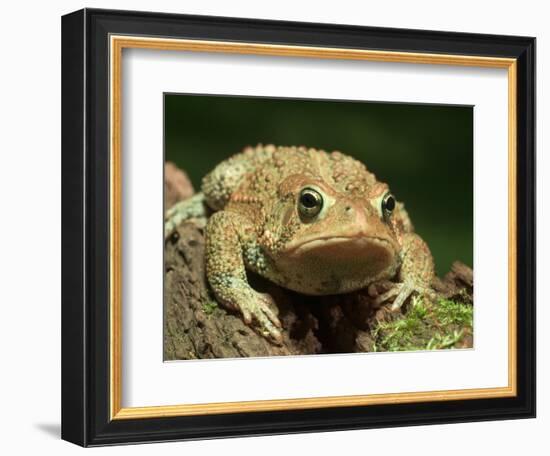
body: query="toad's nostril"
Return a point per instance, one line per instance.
(348, 209)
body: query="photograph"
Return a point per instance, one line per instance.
(316, 226)
(279, 227)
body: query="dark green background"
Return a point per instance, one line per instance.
(424, 152)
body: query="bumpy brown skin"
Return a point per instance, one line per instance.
(350, 244)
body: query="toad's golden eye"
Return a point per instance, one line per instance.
(388, 204)
(310, 203)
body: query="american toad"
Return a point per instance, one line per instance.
(315, 222)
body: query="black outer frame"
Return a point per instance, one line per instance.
(85, 227)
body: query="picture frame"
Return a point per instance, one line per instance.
(93, 42)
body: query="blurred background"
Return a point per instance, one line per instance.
(424, 152)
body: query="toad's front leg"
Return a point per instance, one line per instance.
(226, 274)
(416, 272)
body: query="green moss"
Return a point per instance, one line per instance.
(427, 326)
(450, 312)
(209, 307)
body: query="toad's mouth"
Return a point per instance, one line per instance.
(344, 247)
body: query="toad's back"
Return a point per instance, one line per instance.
(257, 171)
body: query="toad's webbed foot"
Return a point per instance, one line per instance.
(415, 275)
(400, 292)
(257, 310)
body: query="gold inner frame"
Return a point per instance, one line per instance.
(117, 44)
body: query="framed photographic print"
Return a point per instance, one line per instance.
(278, 227)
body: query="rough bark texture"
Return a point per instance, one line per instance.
(196, 326)
(457, 284)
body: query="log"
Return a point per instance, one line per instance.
(458, 283)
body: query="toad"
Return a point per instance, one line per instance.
(311, 221)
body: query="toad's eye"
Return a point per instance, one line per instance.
(310, 203)
(388, 204)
